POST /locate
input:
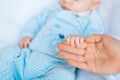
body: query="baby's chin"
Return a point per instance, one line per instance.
(64, 7)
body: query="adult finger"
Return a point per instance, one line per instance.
(71, 56)
(94, 38)
(78, 64)
(68, 48)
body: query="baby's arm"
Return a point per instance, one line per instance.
(29, 31)
(33, 26)
(76, 41)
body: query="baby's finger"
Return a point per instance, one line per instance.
(77, 41)
(82, 39)
(72, 41)
(68, 39)
(82, 43)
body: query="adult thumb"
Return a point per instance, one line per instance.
(94, 38)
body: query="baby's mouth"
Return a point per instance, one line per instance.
(64, 7)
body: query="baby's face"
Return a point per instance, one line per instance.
(78, 5)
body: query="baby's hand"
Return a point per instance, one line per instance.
(76, 41)
(24, 43)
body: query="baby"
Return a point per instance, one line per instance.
(38, 57)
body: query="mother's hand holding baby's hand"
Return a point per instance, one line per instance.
(101, 55)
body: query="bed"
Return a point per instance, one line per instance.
(14, 13)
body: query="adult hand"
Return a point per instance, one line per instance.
(101, 55)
